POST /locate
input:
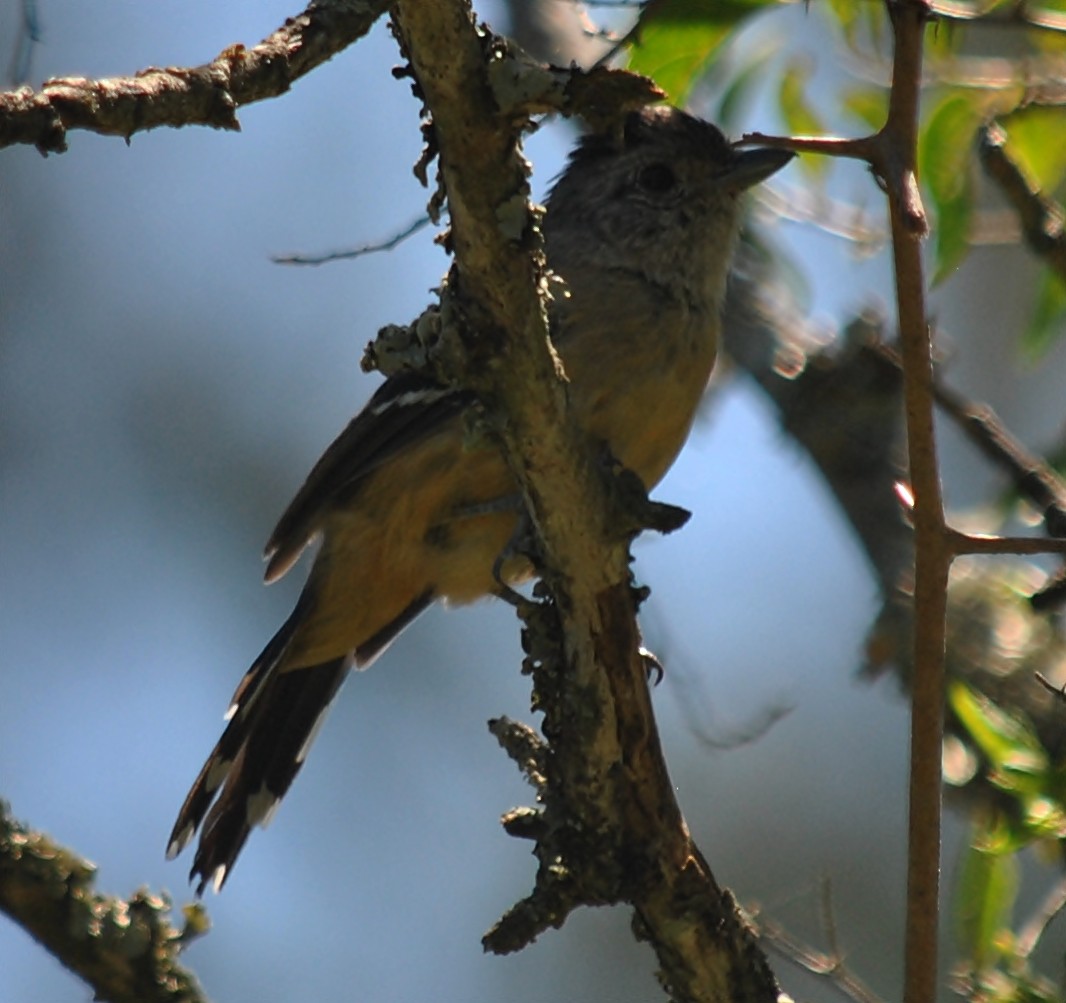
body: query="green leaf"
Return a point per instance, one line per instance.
(800, 118)
(859, 23)
(984, 900)
(945, 150)
(1019, 766)
(942, 41)
(1036, 140)
(868, 104)
(738, 92)
(1008, 743)
(677, 38)
(952, 234)
(1044, 819)
(1048, 323)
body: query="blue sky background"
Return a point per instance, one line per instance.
(163, 390)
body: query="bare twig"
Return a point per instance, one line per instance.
(1033, 477)
(354, 252)
(833, 216)
(965, 543)
(1021, 14)
(829, 966)
(828, 146)
(1052, 905)
(1042, 219)
(1056, 691)
(859, 226)
(1039, 77)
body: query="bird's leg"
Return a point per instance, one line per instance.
(522, 543)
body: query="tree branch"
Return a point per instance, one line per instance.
(611, 830)
(180, 96)
(1041, 218)
(125, 949)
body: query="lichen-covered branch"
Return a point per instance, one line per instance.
(611, 830)
(179, 96)
(125, 949)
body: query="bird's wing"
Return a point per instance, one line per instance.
(406, 409)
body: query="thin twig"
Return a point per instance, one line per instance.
(1038, 74)
(832, 216)
(1034, 478)
(1042, 219)
(354, 252)
(1053, 904)
(829, 921)
(961, 544)
(829, 146)
(1020, 14)
(1057, 691)
(829, 966)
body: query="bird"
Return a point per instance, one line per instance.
(406, 510)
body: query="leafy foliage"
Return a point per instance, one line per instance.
(995, 960)
(682, 43)
(679, 38)
(712, 51)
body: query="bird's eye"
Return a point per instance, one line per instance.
(657, 178)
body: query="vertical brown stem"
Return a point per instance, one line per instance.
(932, 554)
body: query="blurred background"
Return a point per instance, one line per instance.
(164, 387)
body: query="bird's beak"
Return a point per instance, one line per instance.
(753, 166)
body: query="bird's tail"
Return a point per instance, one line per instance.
(273, 719)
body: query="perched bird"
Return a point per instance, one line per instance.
(640, 227)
